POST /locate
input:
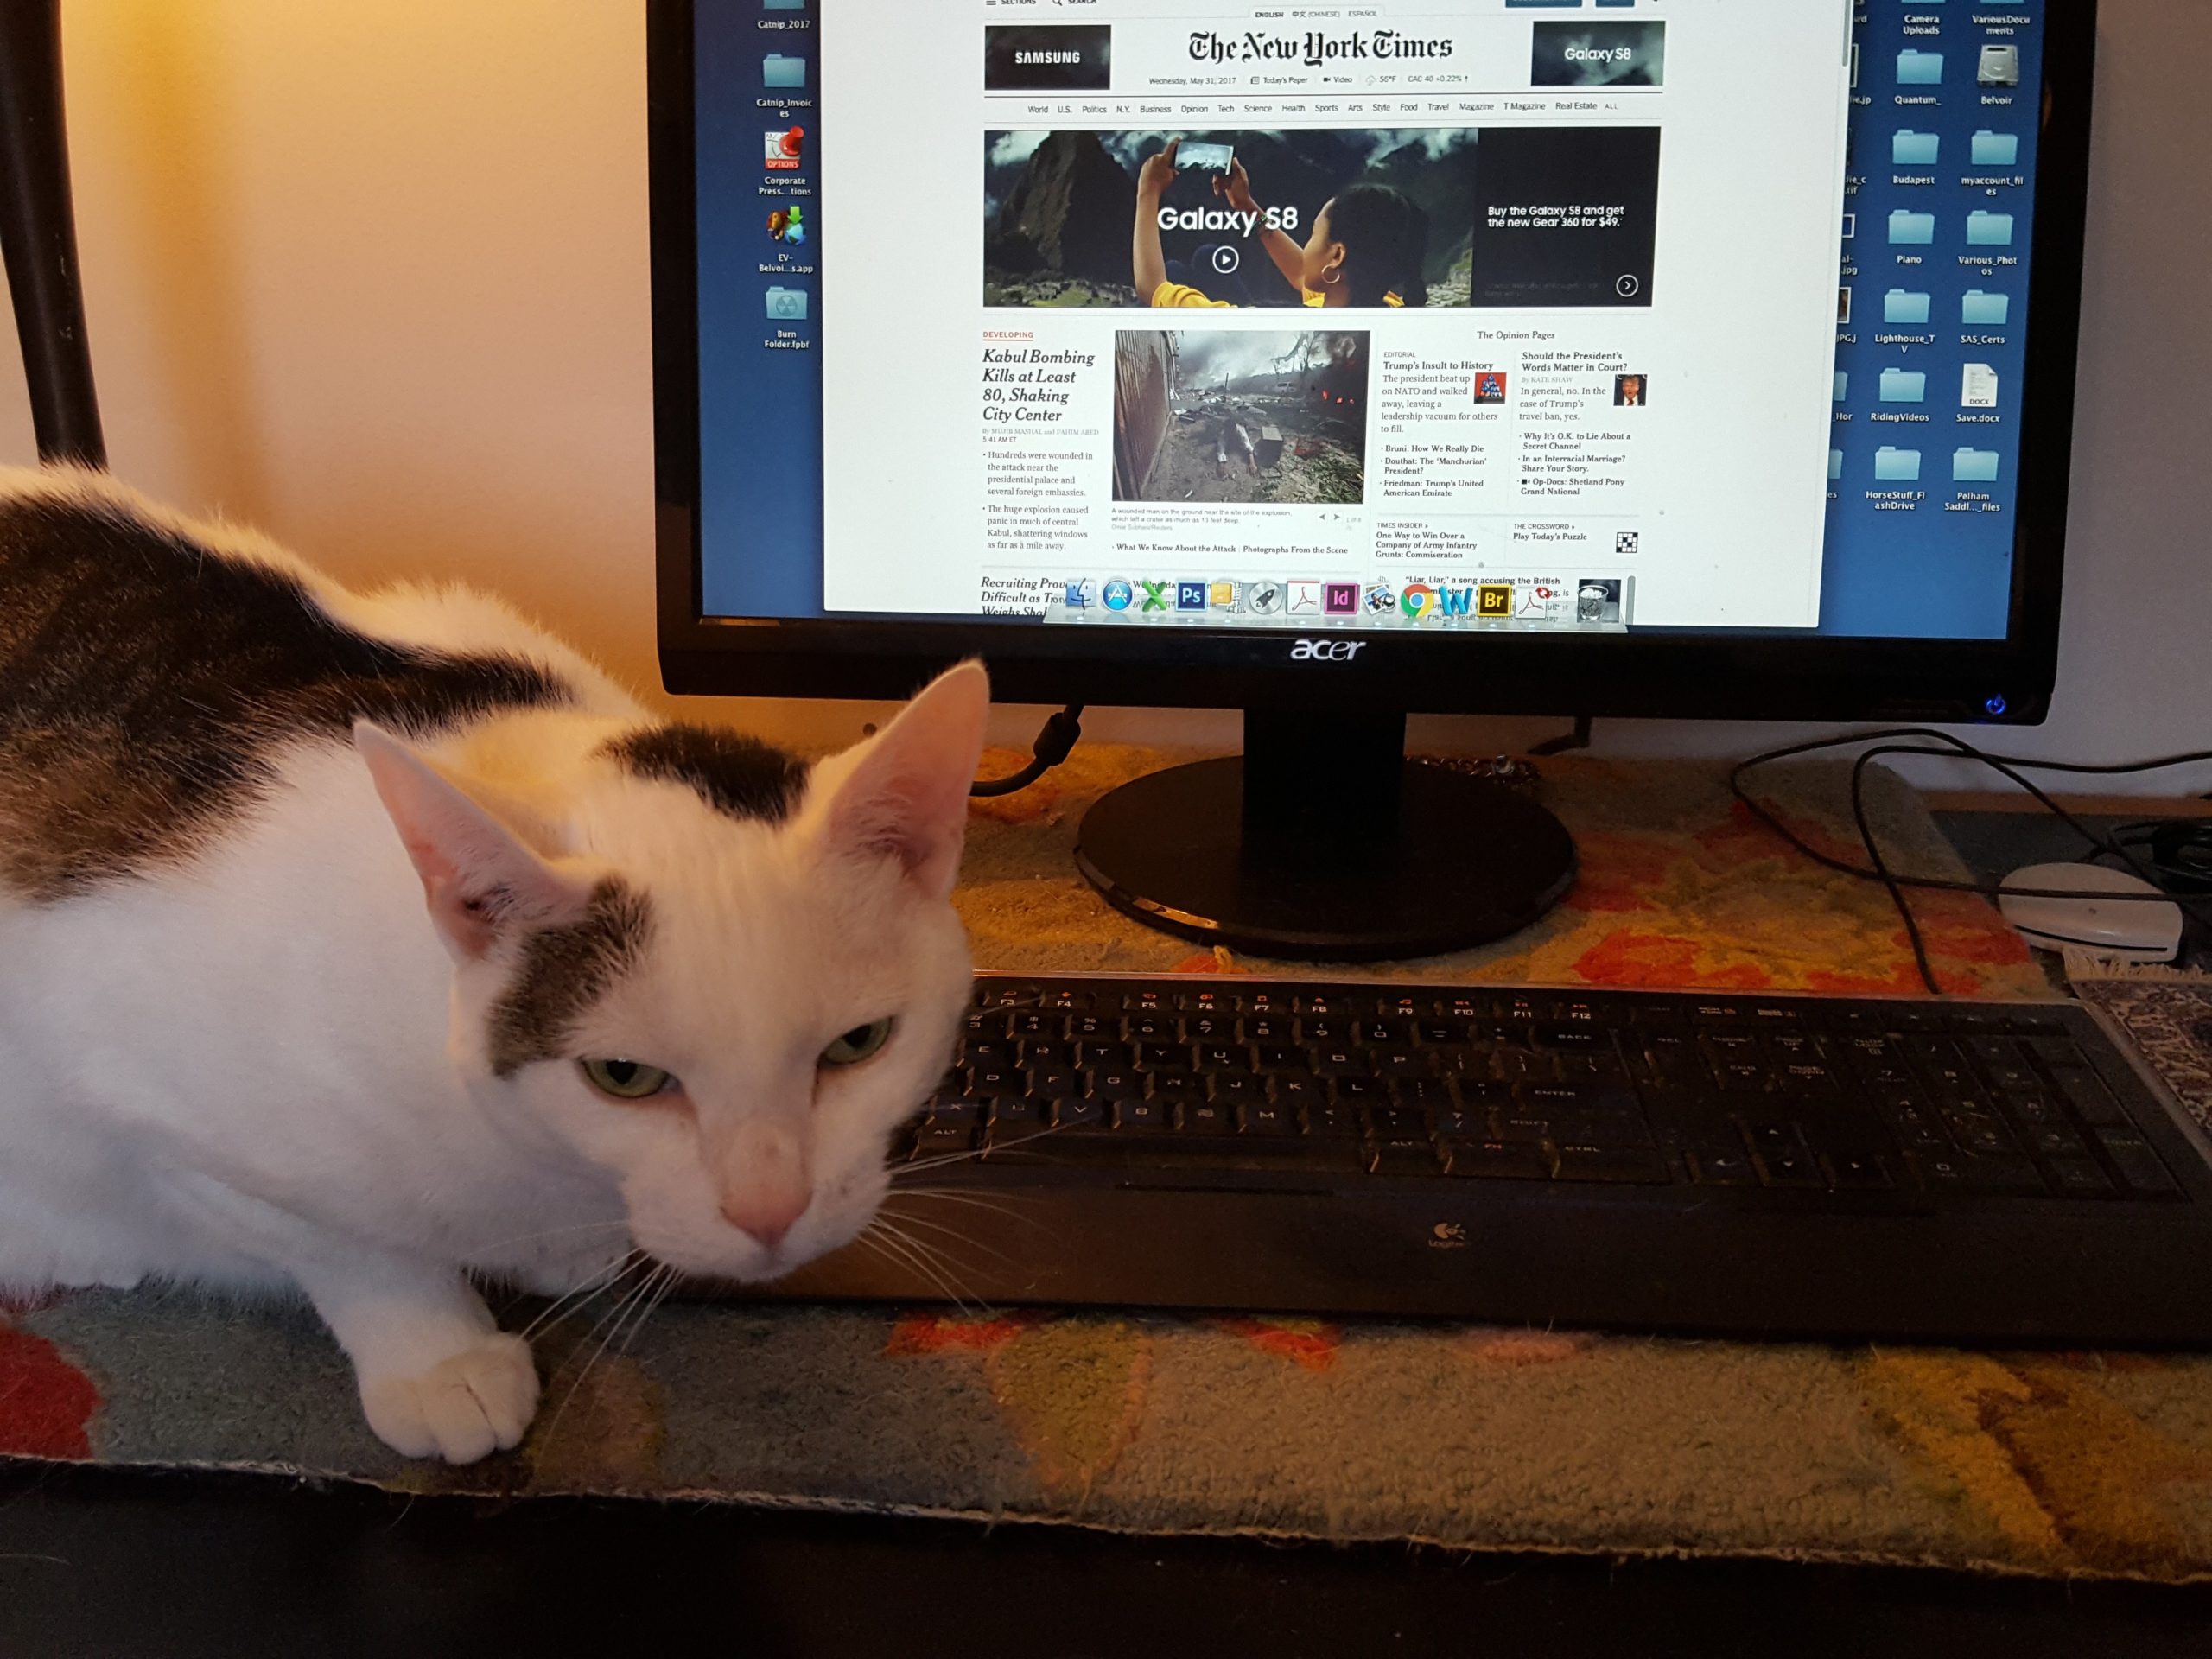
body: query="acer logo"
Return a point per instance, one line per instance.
(1325, 651)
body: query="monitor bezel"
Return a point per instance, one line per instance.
(1697, 676)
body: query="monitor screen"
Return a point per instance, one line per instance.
(1591, 318)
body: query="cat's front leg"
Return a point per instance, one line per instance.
(438, 1379)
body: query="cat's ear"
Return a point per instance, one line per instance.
(480, 876)
(904, 793)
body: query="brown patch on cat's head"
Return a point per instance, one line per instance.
(564, 970)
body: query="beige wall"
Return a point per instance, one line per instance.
(372, 274)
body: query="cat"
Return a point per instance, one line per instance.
(370, 945)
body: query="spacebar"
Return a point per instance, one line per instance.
(1126, 1149)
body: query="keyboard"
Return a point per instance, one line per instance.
(1765, 1166)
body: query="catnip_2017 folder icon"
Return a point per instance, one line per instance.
(1918, 68)
(1904, 386)
(1897, 466)
(1996, 149)
(1901, 305)
(1988, 230)
(1911, 230)
(1985, 311)
(1911, 149)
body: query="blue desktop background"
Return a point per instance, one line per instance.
(1926, 557)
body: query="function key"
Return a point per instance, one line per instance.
(1464, 1009)
(998, 993)
(1575, 1013)
(1521, 1009)
(1719, 1014)
(1206, 1002)
(1065, 1001)
(1328, 1005)
(1404, 1007)
(1656, 1011)
(1267, 1003)
(1145, 1002)
(1772, 1014)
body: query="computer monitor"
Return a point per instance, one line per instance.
(1649, 358)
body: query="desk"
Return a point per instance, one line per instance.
(1908, 1450)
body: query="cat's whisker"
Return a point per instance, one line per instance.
(930, 1264)
(952, 1233)
(595, 1285)
(550, 1232)
(615, 1315)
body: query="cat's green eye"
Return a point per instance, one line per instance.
(626, 1080)
(858, 1044)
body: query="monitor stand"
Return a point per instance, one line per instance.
(1324, 843)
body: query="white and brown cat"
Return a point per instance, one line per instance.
(673, 991)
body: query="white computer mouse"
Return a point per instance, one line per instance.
(2128, 930)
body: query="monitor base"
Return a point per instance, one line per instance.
(1323, 843)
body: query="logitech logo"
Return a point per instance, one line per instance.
(1325, 651)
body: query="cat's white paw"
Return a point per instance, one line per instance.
(462, 1408)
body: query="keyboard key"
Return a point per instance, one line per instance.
(1342, 1062)
(1359, 1091)
(944, 1141)
(1235, 1088)
(2078, 1178)
(1429, 1093)
(1403, 1063)
(2056, 1142)
(1722, 1167)
(1267, 1028)
(1996, 1175)
(1294, 1092)
(1491, 1160)
(1079, 1114)
(1178, 1086)
(1395, 1123)
(1269, 1118)
(1337, 1122)
(2138, 1162)
(1789, 1167)
(1163, 1057)
(1460, 1123)
(2086, 1093)
(1404, 1157)
(1007, 1112)
(1116, 1083)
(1150, 1028)
(1144, 1116)
(1858, 1172)
(1209, 1004)
(1326, 1033)
(1035, 1022)
(999, 1079)
(1620, 1167)
(1273, 1058)
(1208, 1117)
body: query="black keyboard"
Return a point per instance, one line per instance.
(1769, 1164)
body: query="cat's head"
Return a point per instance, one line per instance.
(721, 974)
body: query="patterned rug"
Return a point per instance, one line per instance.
(2054, 1464)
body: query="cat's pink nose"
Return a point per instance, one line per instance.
(765, 1216)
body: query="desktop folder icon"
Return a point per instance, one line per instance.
(1835, 464)
(1900, 305)
(1916, 68)
(1996, 149)
(1897, 466)
(1987, 230)
(778, 69)
(1903, 386)
(1911, 149)
(1985, 310)
(783, 5)
(1973, 467)
(1842, 384)
(1910, 229)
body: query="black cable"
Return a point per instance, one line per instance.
(1058, 735)
(2009, 766)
